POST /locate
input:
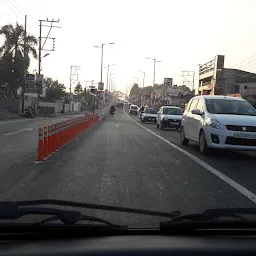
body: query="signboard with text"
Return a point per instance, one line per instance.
(168, 84)
(30, 83)
(100, 86)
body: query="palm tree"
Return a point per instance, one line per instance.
(14, 41)
(13, 56)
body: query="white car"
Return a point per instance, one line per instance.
(169, 117)
(219, 122)
(149, 115)
(134, 109)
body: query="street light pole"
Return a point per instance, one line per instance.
(108, 74)
(137, 80)
(142, 94)
(155, 61)
(154, 72)
(110, 88)
(107, 77)
(144, 74)
(101, 65)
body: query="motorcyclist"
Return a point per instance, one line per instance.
(112, 109)
(141, 111)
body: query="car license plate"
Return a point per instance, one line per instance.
(174, 123)
(149, 119)
(243, 135)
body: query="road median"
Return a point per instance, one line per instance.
(53, 137)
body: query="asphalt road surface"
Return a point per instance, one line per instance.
(119, 162)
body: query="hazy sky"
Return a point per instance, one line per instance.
(180, 33)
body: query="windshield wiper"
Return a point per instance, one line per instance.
(213, 217)
(17, 209)
(11, 210)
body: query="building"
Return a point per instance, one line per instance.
(178, 96)
(214, 79)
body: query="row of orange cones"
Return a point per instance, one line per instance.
(53, 137)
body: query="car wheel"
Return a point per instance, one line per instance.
(184, 141)
(203, 147)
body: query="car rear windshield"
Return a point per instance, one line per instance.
(172, 111)
(150, 111)
(229, 106)
(133, 107)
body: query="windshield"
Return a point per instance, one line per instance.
(226, 106)
(172, 111)
(150, 111)
(63, 64)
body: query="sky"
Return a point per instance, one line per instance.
(181, 34)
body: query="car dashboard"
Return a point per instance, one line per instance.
(134, 245)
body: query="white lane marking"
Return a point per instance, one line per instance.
(104, 115)
(244, 191)
(19, 131)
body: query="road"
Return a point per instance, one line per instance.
(119, 162)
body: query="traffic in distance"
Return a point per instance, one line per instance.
(213, 122)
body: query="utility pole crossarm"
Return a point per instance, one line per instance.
(187, 74)
(72, 75)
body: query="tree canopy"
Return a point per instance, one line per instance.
(14, 59)
(78, 89)
(54, 90)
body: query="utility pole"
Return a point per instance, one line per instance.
(189, 77)
(72, 75)
(45, 39)
(24, 58)
(41, 47)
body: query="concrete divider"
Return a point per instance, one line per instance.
(53, 137)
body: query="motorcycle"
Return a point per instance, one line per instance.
(30, 112)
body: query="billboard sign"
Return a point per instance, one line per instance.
(168, 84)
(30, 83)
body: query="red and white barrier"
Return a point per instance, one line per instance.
(53, 137)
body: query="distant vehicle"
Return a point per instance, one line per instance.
(134, 109)
(149, 115)
(221, 122)
(119, 104)
(169, 117)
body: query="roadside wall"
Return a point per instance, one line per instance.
(10, 104)
(51, 104)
